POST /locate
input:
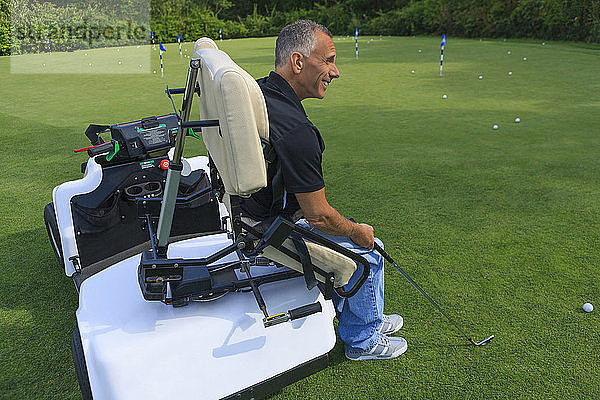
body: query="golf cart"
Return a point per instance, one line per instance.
(179, 297)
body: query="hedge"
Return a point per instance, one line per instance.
(577, 20)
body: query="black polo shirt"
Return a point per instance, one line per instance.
(299, 147)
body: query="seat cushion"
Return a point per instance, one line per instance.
(322, 257)
(231, 95)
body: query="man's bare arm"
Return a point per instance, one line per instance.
(319, 214)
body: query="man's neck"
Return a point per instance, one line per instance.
(289, 76)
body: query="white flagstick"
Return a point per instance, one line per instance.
(220, 35)
(442, 55)
(48, 43)
(179, 41)
(161, 49)
(356, 41)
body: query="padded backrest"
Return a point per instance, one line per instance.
(231, 95)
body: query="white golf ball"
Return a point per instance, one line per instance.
(495, 127)
(419, 50)
(138, 47)
(43, 65)
(140, 65)
(480, 76)
(508, 52)
(543, 43)
(524, 58)
(117, 50)
(412, 71)
(85, 54)
(444, 96)
(517, 120)
(153, 72)
(90, 65)
(119, 62)
(588, 307)
(509, 73)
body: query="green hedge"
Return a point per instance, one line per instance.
(543, 19)
(4, 27)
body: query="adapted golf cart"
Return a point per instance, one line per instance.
(179, 297)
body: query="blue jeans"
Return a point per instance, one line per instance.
(361, 315)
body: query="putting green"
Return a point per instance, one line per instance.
(500, 226)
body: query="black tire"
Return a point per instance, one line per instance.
(80, 365)
(53, 233)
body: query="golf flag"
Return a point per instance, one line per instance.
(442, 54)
(162, 48)
(179, 41)
(356, 41)
(220, 35)
(152, 38)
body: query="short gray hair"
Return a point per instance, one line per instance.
(298, 36)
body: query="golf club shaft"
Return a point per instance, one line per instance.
(389, 259)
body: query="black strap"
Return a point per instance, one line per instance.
(92, 132)
(309, 273)
(268, 150)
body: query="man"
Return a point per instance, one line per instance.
(304, 68)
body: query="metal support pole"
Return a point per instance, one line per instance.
(174, 173)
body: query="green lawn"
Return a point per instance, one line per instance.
(500, 226)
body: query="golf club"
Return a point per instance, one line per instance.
(389, 259)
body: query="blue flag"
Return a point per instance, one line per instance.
(178, 37)
(151, 34)
(162, 48)
(356, 32)
(443, 40)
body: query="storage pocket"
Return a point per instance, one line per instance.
(96, 220)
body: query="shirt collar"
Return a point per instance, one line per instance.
(283, 85)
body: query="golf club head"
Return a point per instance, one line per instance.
(483, 342)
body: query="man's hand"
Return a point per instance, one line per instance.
(363, 235)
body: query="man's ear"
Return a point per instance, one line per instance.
(297, 62)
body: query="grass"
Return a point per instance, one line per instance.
(500, 226)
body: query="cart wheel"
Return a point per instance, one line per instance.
(80, 366)
(53, 233)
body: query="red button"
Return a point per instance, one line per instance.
(164, 164)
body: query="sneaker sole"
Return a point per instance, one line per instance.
(395, 354)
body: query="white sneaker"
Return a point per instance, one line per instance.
(385, 348)
(391, 324)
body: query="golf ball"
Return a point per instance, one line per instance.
(153, 72)
(419, 50)
(412, 71)
(119, 62)
(509, 73)
(495, 127)
(588, 307)
(543, 43)
(444, 96)
(85, 54)
(480, 76)
(524, 58)
(43, 65)
(508, 52)
(517, 120)
(90, 65)
(140, 65)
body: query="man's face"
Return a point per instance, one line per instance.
(318, 69)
